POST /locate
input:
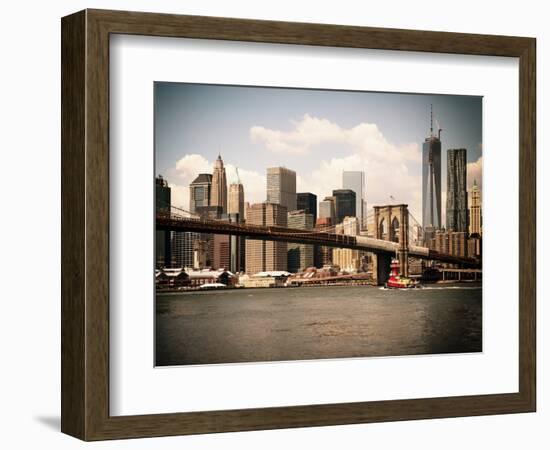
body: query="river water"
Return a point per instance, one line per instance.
(247, 325)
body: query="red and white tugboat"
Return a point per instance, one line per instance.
(396, 281)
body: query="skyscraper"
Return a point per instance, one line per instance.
(327, 209)
(431, 182)
(308, 202)
(236, 200)
(183, 247)
(281, 187)
(344, 204)
(163, 194)
(457, 197)
(218, 196)
(300, 256)
(266, 255)
(355, 181)
(199, 191)
(475, 210)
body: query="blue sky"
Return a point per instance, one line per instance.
(317, 133)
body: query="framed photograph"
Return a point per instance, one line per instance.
(272, 225)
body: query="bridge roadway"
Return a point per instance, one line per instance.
(171, 222)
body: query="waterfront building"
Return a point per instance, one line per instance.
(323, 254)
(183, 248)
(431, 182)
(211, 213)
(475, 210)
(281, 187)
(344, 204)
(450, 242)
(355, 181)
(218, 195)
(199, 191)
(308, 202)
(300, 256)
(228, 250)
(266, 255)
(264, 279)
(163, 200)
(347, 259)
(457, 196)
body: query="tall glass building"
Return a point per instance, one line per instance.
(355, 180)
(431, 183)
(281, 187)
(345, 204)
(308, 202)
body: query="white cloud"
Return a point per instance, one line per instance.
(474, 171)
(387, 165)
(390, 168)
(190, 166)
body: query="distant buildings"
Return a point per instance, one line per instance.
(450, 242)
(347, 259)
(327, 209)
(355, 181)
(300, 256)
(199, 191)
(236, 200)
(163, 194)
(308, 202)
(218, 195)
(323, 254)
(475, 210)
(264, 256)
(183, 248)
(281, 187)
(457, 196)
(431, 183)
(345, 202)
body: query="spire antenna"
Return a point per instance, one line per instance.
(431, 120)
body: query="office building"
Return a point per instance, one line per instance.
(281, 187)
(355, 181)
(199, 191)
(218, 195)
(323, 254)
(327, 208)
(163, 194)
(300, 256)
(348, 260)
(345, 201)
(308, 202)
(457, 196)
(264, 256)
(183, 248)
(431, 182)
(235, 204)
(475, 210)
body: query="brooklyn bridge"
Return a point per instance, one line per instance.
(391, 238)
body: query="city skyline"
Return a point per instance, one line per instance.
(318, 134)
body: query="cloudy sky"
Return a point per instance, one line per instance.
(317, 133)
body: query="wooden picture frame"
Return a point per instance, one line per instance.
(85, 224)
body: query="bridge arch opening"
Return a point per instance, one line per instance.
(383, 229)
(394, 231)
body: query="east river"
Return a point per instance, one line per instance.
(245, 325)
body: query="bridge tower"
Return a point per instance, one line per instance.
(391, 224)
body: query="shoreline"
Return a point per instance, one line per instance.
(445, 283)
